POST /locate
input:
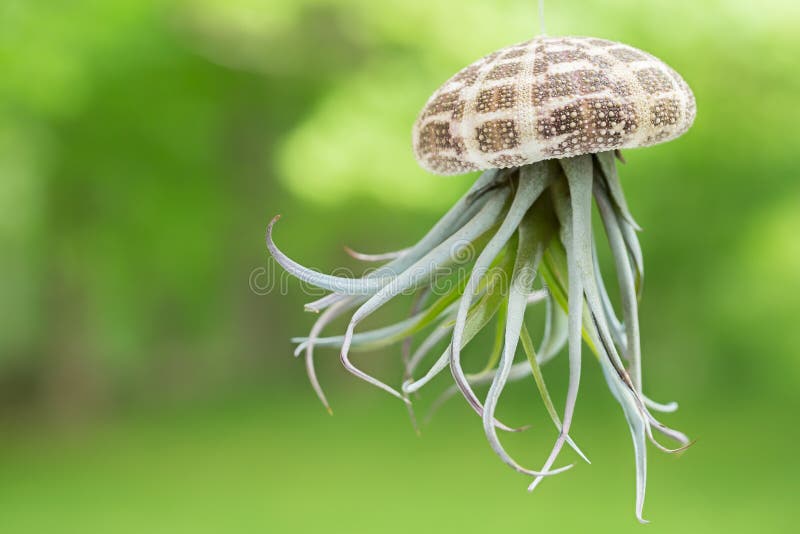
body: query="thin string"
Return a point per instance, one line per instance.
(542, 29)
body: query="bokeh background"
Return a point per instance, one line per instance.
(146, 377)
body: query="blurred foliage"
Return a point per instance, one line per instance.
(145, 144)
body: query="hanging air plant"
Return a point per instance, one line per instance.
(544, 120)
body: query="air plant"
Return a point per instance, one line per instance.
(545, 120)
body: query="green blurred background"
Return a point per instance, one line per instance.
(146, 379)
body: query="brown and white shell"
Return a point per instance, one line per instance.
(551, 97)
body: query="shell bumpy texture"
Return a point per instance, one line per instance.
(551, 97)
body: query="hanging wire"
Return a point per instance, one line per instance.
(542, 29)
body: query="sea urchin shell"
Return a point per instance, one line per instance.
(551, 97)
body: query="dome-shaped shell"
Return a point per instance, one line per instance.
(551, 97)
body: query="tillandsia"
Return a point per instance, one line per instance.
(544, 120)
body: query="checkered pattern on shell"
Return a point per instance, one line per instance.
(551, 97)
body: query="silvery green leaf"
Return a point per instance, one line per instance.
(627, 286)
(533, 362)
(569, 206)
(409, 278)
(609, 168)
(528, 256)
(533, 181)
